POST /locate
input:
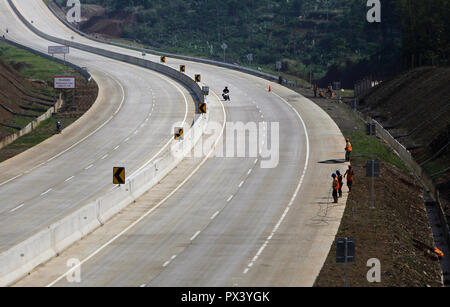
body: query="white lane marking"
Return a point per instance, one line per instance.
(195, 235)
(46, 192)
(9, 180)
(83, 139)
(215, 215)
(127, 139)
(104, 157)
(117, 147)
(256, 161)
(17, 208)
(143, 285)
(296, 190)
(241, 184)
(249, 171)
(166, 263)
(205, 159)
(229, 198)
(90, 166)
(170, 141)
(70, 178)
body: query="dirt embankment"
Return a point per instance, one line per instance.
(388, 232)
(20, 96)
(415, 108)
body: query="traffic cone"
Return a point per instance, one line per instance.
(270, 88)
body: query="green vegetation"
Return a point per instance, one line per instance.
(361, 148)
(322, 36)
(30, 65)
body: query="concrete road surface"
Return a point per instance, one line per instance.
(233, 222)
(128, 125)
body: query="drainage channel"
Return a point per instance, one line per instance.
(432, 208)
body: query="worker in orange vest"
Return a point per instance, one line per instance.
(340, 179)
(335, 188)
(348, 150)
(349, 174)
(439, 253)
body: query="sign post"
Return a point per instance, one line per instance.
(59, 50)
(345, 253)
(64, 83)
(372, 166)
(224, 48)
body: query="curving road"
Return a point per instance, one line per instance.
(233, 222)
(129, 124)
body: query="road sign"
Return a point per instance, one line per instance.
(182, 68)
(163, 59)
(371, 129)
(198, 78)
(58, 49)
(119, 175)
(250, 57)
(278, 65)
(205, 90)
(345, 250)
(202, 108)
(64, 83)
(372, 168)
(178, 135)
(224, 46)
(337, 85)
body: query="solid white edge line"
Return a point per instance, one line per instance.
(280, 221)
(152, 209)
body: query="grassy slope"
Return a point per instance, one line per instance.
(36, 67)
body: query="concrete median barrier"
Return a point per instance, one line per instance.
(22, 258)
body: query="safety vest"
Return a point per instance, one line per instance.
(349, 147)
(439, 253)
(336, 185)
(350, 175)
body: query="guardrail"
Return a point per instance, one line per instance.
(20, 259)
(408, 159)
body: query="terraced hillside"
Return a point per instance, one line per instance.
(21, 99)
(415, 108)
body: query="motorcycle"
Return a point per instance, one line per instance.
(226, 96)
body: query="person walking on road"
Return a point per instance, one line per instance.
(348, 150)
(340, 179)
(350, 175)
(335, 188)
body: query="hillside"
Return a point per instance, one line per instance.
(415, 108)
(317, 36)
(20, 97)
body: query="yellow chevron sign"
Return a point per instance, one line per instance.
(198, 78)
(163, 59)
(119, 175)
(178, 135)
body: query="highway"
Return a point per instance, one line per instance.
(129, 124)
(231, 222)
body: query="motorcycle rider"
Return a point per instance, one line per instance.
(58, 127)
(226, 93)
